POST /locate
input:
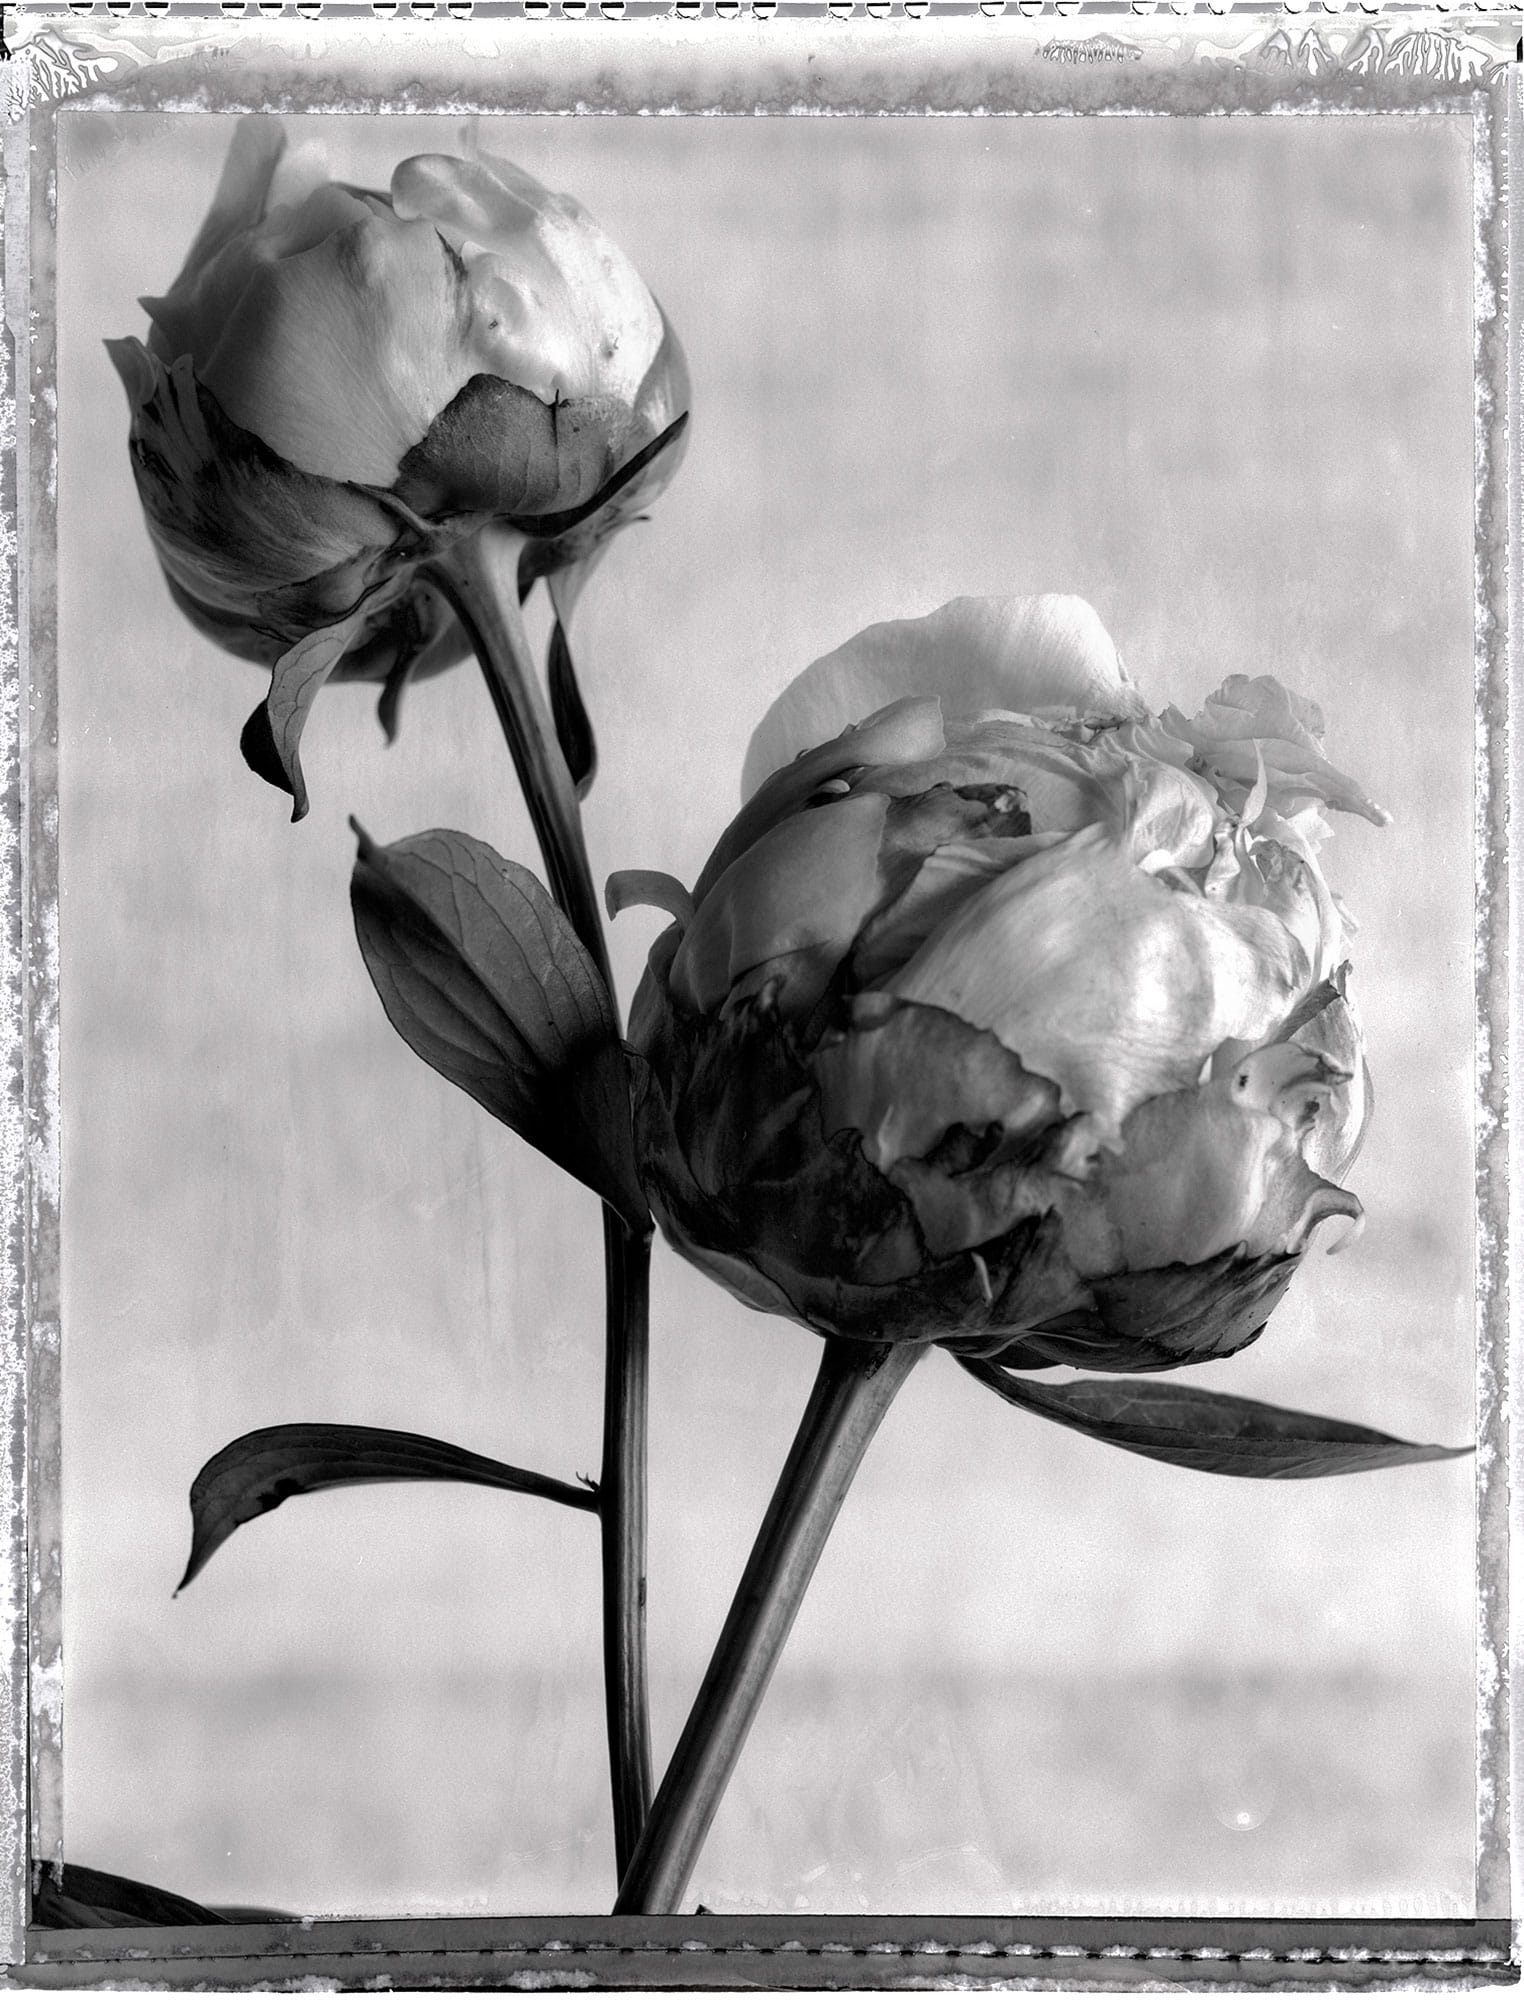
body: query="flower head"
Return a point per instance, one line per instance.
(1006, 1013)
(340, 383)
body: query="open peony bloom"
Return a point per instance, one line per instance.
(1008, 1014)
(340, 383)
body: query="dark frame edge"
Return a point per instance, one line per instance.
(1094, 1953)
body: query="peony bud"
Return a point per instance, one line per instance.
(340, 384)
(1006, 1014)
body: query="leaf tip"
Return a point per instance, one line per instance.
(367, 847)
(262, 754)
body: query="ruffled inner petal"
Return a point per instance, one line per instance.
(1255, 728)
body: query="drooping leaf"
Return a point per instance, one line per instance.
(483, 977)
(272, 736)
(574, 729)
(1208, 1432)
(259, 1471)
(90, 1899)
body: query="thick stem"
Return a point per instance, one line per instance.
(622, 1519)
(856, 1384)
(479, 576)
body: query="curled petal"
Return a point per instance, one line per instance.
(1335, 1137)
(905, 732)
(1255, 729)
(647, 888)
(1024, 654)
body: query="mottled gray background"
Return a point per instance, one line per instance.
(1215, 376)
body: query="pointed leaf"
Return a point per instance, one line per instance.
(1208, 1432)
(89, 1899)
(257, 1472)
(483, 977)
(389, 706)
(272, 736)
(574, 730)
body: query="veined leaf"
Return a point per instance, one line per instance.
(260, 1470)
(483, 977)
(1208, 1432)
(272, 736)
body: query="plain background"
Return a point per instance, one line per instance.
(1214, 375)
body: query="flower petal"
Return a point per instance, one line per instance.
(1105, 979)
(904, 1076)
(1256, 727)
(243, 190)
(903, 732)
(249, 538)
(346, 339)
(557, 307)
(1202, 1172)
(1023, 654)
(806, 886)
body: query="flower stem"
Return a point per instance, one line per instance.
(622, 1525)
(856, 1383)
(479, 576)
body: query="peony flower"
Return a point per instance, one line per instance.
(340, 384)
(1008, 1014)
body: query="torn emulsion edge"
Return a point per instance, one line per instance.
(1492, 139)
(1501, 1508)
(30, 1441)
(14, 1232)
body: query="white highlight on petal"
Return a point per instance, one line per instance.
(1104, 978)
(1025, 654)
(556, 306)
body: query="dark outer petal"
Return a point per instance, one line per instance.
(737, 1166)
(1147, 1320)
(244, 534)
(497, 448)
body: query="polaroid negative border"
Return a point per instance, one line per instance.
(949, 56)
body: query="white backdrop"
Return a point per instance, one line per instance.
(1214, 375)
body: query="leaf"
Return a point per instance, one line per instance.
(272, 736)
(574, 730)
(89, 1899)
(260, 1470)
(1207, 1432)
(483, 977)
